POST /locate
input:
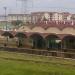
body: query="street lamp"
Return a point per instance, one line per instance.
(5, 8)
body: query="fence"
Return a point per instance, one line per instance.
(54, 53)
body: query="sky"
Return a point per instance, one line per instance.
(14, 6)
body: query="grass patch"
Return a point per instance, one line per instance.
(12, 67)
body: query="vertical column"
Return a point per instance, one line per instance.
(47, 42)
(32, 43)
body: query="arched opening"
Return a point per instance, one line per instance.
(20, 39)
(38, 41)
(7, 38)
(68, 42)
(53, 42)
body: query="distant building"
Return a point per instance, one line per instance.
(22, 17)
(52, 16)
(34, 17)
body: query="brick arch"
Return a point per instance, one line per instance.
(54, 30)
(38, 29)
(68, 35)
(37, 40)
(53, 35)
(68, 30)
(53, 41)
(68, 42)
(33, 33)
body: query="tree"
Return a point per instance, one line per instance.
(17, 22)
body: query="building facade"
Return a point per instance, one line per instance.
(46, 30)
(39, 16)
(53, 16)
(52, 31)
(23, 17)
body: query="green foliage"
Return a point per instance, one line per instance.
(17, 22)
